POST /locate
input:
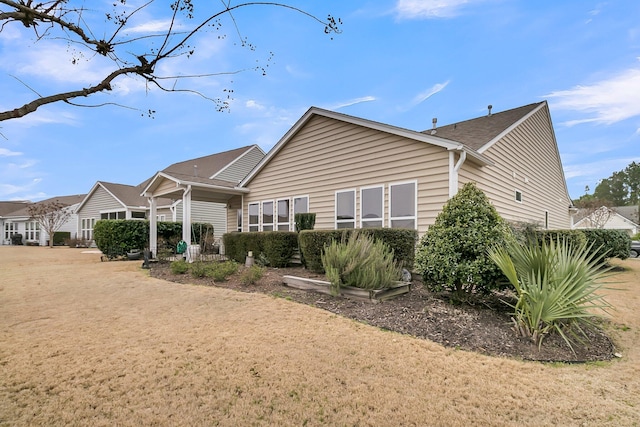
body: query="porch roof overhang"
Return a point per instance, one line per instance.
(174, 185)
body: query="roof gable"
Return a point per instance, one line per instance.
(207, 166)
(406, 133)
(481, 132)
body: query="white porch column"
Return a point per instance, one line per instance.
(186, 215)
(153, 227)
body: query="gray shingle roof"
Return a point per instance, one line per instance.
(206, 166)
(477, 132)
(65, 200)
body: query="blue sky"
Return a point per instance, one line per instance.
(401, 62)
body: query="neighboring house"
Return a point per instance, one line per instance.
(608, 219)
(120, 201)
(18, 220)
(107, 200)
(629, 212)
(353, 172)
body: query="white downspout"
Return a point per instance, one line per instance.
(454, 168)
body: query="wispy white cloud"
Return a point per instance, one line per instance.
(597, 170)
(254, 105)
(154, 26)
(352, 102)
(4, 152)
(605, 102)
(430, 9)
(421, 97)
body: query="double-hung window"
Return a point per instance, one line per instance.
(254, 217)
(267, 216)
(346, 209)
(403, 205)
(371, 206)
(283, 222)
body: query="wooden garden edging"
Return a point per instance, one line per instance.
(370, 295)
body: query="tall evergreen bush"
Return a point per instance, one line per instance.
(453, 253)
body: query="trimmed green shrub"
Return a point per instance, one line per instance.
(556, 284)
(60, 238)
(312, 243)
(199, 268)
(251, 275)
(453, 253)
(574, 238)
(360, 261)
(279, 246)
(237, 245)
(275, 247)
(179, 267)
(16, 239)
(401, 241)
(304, 221)
(116, 237)
(608, 243)
(220, 271)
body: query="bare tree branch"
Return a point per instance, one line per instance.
(69, 20)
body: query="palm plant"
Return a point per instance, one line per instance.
(556, 286)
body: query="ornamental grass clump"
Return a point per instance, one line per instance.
(359, 261)
(556, 286)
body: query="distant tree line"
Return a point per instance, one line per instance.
(622, 188)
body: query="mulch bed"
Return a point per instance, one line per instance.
(484, 326)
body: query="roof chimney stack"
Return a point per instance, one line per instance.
(434, 121)
(490, 107)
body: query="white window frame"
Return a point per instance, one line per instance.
(414, 217)
(115, 213)
(253, 226)
(239, 219)
(293, 204)
(32, 231)
(86, 230)
(517, 192)
(364, 220)
(161, 218)
(10, 228)
(286, 224)
(267, 224)
(335, 207)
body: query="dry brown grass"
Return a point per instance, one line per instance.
(84, 342)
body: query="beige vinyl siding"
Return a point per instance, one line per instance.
(166, 186)
(328, 155)
(531, 153)
(242, 166)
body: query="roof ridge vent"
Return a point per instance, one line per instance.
(489, 107)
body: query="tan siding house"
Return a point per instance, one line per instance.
(526, 180)
(358, 173)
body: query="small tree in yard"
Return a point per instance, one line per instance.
(50, 215)
(453, 254)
